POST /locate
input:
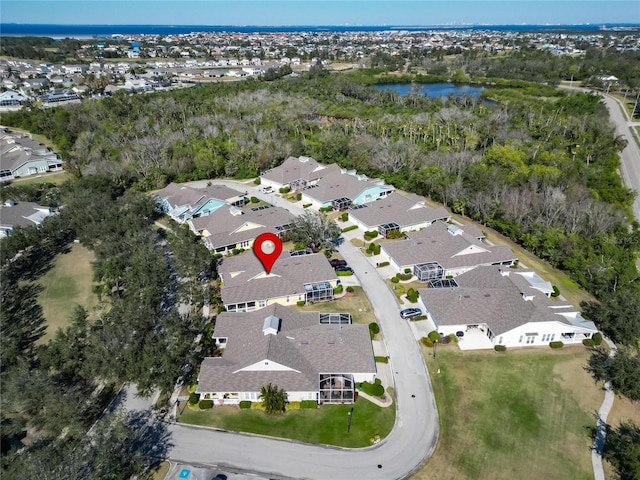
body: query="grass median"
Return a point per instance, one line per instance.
(326, 425)
(522, 414)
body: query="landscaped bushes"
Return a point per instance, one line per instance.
(338, 290)
(257, 181)
(373, 249)
(245, 404)
(419, 317)
(286, 189)
(556, 344)
(412, 295)
(500, 348)
(346, 273)
(370, 234)
(349, 228)
(300, 303)
(395, 279)
(292, 406)
(588, 342)
(205, 404)
(350, 289)
(381, 359)
(299, 196)
(194, 398)
(308, 404)
(237, 251)
(426, 341)
(255, 200)
(383, 264)
(433, 335)
(374, 329)
(597, 338)
(556, 292)
(404, 276)
(374, 389)
(326, 209)
(345, 216)
(407, 270)
(307, 205)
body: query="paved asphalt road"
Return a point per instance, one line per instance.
(400, 454)
(630, 156)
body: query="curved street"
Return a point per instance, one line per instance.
(407, 447)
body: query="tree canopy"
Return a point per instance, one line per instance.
(314, 230)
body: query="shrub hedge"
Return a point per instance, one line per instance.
(338, 290)
(597, 338)
(292, 406)
(404, 276)
(556, 292)
(556, 344)
(344, 274)
(370, 234)
(381, 359)
(345, 216)
(308, 404)
(407, 270)
(383, 264)
(394, 280)
(419, 317)
(500, 348)
(350, 289)
(194, 398)
(300, 303)
(374, 389)
(326, 209)
(349, 228)
(205, 404)
(588, 342)
(307, 205)
(257, 181)
(286, 189)
(245, 404)
(412, 295)
(255, 200)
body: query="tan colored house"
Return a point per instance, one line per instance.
(298, 278)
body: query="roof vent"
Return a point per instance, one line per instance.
(271, 325)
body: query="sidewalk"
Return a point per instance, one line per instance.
(381, 402)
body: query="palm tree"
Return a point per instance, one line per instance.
(273, 399)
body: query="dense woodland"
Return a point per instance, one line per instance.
(536, 163)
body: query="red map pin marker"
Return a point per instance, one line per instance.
(267, 247)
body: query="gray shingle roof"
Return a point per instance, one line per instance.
(17, 149)
(302, 344)
(486, 296)
(293, 169)
(223, 224)
(338, 183)
(245, 279)
(436, 244)
(404, 210)
(23, 214)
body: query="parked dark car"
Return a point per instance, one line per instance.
(410, 312)
(336, 262)
(344, 268)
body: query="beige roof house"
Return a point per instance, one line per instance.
(295, 351)
(246, 286)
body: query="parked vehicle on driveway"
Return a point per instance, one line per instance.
(336, 262)
(344, 268)
(410, 313)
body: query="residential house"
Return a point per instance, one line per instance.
(231, 228)
(182, 203)
(20, 156)
(325, 185)
(310, 355)
(501, 306)
(444, 250)
(293, 278)
(21, 214)
(396, 212)
(10, 100)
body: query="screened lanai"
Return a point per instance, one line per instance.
(336, 388)
(428, 271)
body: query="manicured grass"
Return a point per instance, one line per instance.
(326, 425)
(524, 414)
(66, 284)
(356, 303)
(156, 472)
(52, 177)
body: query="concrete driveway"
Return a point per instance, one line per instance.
(407, 447)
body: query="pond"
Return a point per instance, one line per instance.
(432, 90)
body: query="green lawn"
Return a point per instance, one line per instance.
(52, 177)
(356, 303)
(325, 425)
(523, 414)
(66, 284)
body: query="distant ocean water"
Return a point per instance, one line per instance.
(105, 31)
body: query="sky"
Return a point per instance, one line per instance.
(312, 12)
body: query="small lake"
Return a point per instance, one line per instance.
(432, 90)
